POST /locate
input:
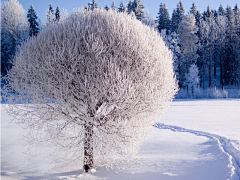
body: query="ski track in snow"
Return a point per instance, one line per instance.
(231, 148)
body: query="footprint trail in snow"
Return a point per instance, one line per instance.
(230, 147)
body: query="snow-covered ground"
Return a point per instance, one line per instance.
(194, 139)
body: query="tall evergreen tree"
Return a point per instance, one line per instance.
(177, 16)
(163, 18)
(33, 24)
(89, 6)
(236, 11)
(57, 14)
(188, 44)
(174, 21)
(221, 10)
(94, 5)
(231, 65)
(50, 15)
(14, 30)
(113, 6)
(193, 9)
(138, 9)
(122, 7)
(106, 8)
(130, 7)
(209, 12)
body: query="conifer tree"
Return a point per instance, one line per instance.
(50, 15)
(188, 44)
(193, 9)
(209, 12)
(174, 21)
(14, 30)
(130, 7)
(236, 11)
(138, 9)
(106, 8)
(231, 59)
(221, 10)
(57, 14)
(33, 24)
(122, 7)
(163, 18)
(177, 16)
(113, 6)
(94, 4)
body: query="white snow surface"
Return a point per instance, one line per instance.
(194, 139)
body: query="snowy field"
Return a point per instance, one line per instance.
(194, 140)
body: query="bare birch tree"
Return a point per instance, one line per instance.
(93, 83)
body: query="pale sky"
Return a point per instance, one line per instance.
(41, 6)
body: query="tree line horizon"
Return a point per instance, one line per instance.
(205, 46)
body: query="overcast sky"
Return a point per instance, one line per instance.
(41, 6)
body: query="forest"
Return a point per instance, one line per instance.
(205, 45)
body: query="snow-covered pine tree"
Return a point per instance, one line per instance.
(221, 10)
(122, 7)
(174, 21)
(236, 11)
(148, 19)
(57, 14)
(209, 13)
(192, 78)
(94, 5)
(208, 35)
(137, 8)
(14, 30)
(193, 10)
(231, 63)
(113, 6)
(50, 15)
(187, 30)
(33, 23)
(177, 16)
(106, 8)
(163, 18)
(130, 7)
(94, 92)
(222, 25)
(172, 41)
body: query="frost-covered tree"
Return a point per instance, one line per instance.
(106, 8)
(57, 14)
(137, 8)
(172, 41)
(148, 19)
(221, 22)
(163, 18)
(236, 11)
(33, 23)
(93, 89)
(192, 78)
(193, 9)
(94, 5)
(208, 35)
(14, 30)
(130, 7)
(113, 6)
(122, 7)
(231, 65)
(50, 15)
(187, 30)
(177, 16)
(221, 11)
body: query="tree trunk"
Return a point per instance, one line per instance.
(88, 147)
(88, 143)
